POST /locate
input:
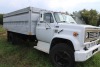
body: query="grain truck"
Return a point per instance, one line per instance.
(55, 33)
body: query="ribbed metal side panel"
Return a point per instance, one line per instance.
(22, 21)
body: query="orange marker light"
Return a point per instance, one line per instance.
(75, 34)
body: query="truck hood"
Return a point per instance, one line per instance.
(68, 29)
(76, 26)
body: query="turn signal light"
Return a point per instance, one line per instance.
(75, 34)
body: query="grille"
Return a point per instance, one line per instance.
(93, 34)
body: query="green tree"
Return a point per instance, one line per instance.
(85, 15)
(98, 23)
(93, 17)
(90, 16)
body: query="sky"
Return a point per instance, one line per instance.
(7, 6)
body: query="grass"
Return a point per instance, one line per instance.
(25, 56)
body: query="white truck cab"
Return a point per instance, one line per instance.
(56, 33)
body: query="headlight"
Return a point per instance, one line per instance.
(98, 34)
(98, 42)
(87, 35)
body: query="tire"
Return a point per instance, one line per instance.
(62, 55)
(14, 38)
(8, 36)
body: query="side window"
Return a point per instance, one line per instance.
(48, 18)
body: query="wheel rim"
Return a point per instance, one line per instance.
(62, 59)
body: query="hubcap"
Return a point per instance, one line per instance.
(62, 59)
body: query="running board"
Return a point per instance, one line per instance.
(43, 46)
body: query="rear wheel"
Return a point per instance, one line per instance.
(62, 55)
(8, 36)
(17, 38)
(13, 38)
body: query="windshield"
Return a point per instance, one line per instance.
(63, 18)
(79, 20)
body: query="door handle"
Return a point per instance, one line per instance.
(48, 28)
(38, 24)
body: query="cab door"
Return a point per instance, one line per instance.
(44, 29)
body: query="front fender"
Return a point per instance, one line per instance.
(74, 40)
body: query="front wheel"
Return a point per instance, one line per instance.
(62, 55)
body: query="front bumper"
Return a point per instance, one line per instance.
(83, 55)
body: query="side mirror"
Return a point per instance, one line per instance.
(41, 18)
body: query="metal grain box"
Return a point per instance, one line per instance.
(22, 21)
